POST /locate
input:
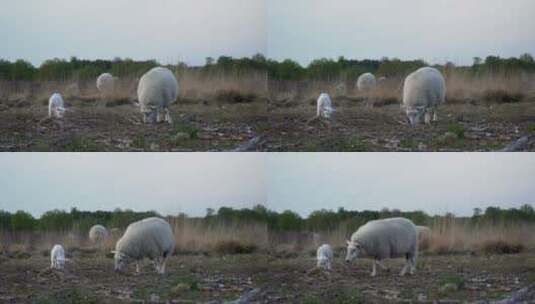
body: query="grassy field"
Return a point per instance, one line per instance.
(262, 278)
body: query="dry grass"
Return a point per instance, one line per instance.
(462, 87)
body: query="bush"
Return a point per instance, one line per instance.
(501, 247)
(234, 247)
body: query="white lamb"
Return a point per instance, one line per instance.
(57, 257)
(157, 89)
(383, 239)
(324, 107)
(56, 106)
(98, 234)
(149, 238)
(324, 255)
(106, 85)
(423, 91)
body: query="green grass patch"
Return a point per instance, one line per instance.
(531, 128)
(139, 142)
(181, 127)
(68, 296)
(80, 144)
(408, 143)
(454, 280)
(456, 129)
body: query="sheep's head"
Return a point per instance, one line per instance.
(354, 249)
(60, 112)
(415, 115)
(121, 260)
(61, 263)
(149, 115)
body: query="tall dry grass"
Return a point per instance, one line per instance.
(462, 87)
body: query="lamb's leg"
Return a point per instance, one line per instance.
(435, 116)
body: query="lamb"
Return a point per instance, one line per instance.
(424, 237)
(57, 257)
(98, 234)
(56, 106)
(106, 85)
(423, 91)
(325, 256)
(324, 107)
(157, 89)
(385, 238)
(151, 237)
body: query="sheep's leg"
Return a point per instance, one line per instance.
(158, 116)
(162, 267)
(380, 263)
(435, 116)
(413, 264)
(427, 117)
(406, 266)
(374, 270)
(138, 269)
(329, 266)
(168, 117)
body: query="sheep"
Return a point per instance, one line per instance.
(324, 107)
(424, 237)
(423, 91)
(106, 85)
(57, 257)
(56, 106)
(366, 83)
(385, 238)
(98, 234)
(152, 238)
(157, 89)
(324, 255)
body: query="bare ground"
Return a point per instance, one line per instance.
(264, 278)
(199, 126)
(471, 127)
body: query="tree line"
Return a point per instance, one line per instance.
(319, 69)
(320, 220)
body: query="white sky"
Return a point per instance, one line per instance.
(190, 31)
(303, 182)
(166, 30)
(437, 31)
(166, 182)
(433, 182)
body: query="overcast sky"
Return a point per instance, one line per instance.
(166, 30)
(190, 31)
(438, 30)
(433, 182)
(166, 182)
(303, 182)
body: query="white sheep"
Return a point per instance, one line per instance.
(324, 256)
(424, 237)
(383, 239)
(366, 82)
(106, 85)
(98, 234)
(57, 257)
(149, 238)
(157, 89)
(56, 106)
(324, 107)
(423, 91)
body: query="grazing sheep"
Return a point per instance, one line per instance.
(383, 239)
(324, 107)
(157, 89)
(424, 237)
(98, 234)
(325, 256)
(423, 91)
(57, 257)
(56, 106)
(149, 238)
(106, 85)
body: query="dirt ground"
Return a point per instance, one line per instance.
(277, 126)
(264, 278)
(96, 127)
(356, 127)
